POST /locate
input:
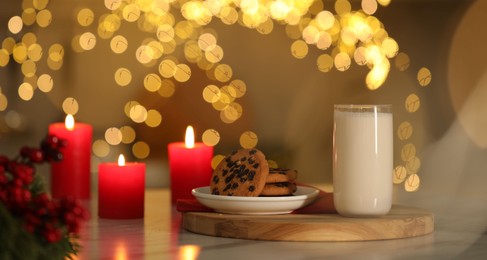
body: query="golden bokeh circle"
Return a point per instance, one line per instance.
(138, 113)
(4, 57)
(70, 106)
(15, 24)
(29, 16)
(248, 140)
(167, 68)
(400, 174)
(412, 103)
(123, 77)
(100, 148)
(113, 136)
(390, 47)
(152, 82)
(216, 160)
(299, 49)
(44, 18)
(214, 55)
(28, 68)
(223, 72)
(40, 4)
(211, 93)
(45, 83)
(56, 52)
(3, 102)
(141, 150)
(19, 53)
(131, 13)
(408, 152)
(128, 134)
(34, 52)
(85, 17)
(167, 88)
(183, 73)
(412, 183)
(424, 77)
(239, 86)
(413, 165)
(324, 63)
(211, 137)
(113, 4)
(405, 131)
(119, 44)
(26, 91)
(342, 61)
(154, 118)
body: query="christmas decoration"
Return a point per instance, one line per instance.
(34, 226)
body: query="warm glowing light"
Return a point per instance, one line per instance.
(377, 75)
(189, 252)
(280, 9)
(189, 138)
(69, 122)
(121, 160)
(121, 251)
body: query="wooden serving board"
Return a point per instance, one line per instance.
(401, 222)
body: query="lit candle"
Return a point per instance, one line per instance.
(121, 188)
(189, 166)
(71, 175)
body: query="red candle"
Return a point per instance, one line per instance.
(189, 166)
(71, 175)
(121, 188)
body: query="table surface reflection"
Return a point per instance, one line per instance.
(160, 236)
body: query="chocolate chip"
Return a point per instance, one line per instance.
(227, 187)
(216, 179)
(228, 179)
(234, 185)
(256, 165)
(251, 188)
(253, 151)
(251, 175)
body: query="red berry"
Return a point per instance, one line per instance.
(52, 141)
(36, 156)
(4, 160)
(25, 152)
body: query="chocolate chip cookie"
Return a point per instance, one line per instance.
(242, 173)
(279, 189)
(281, 175)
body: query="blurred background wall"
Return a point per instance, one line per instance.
(289, 102)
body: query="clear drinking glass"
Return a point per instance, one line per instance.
(362, 160)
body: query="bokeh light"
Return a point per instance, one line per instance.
(341, 36)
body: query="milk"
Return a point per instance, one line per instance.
(362, 160)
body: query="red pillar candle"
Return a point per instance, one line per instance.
(189, 166)
(71, 175)
(121, 188)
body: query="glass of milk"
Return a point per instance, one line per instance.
(362, 160)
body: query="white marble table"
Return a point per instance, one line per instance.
(160, 236)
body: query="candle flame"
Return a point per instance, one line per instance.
(189, 139)
(121, 160)
(69, 122)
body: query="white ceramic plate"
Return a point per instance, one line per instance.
(256, 205)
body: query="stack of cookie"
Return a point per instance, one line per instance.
(245, 172)
(280, 182)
